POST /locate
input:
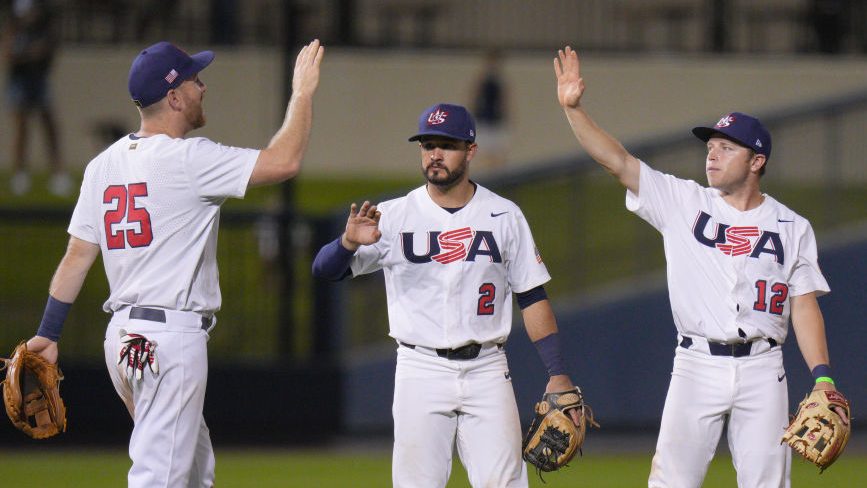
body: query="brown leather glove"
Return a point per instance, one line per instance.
(553, 438)
(31, 392)
(817, 432)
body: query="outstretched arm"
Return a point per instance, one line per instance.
(602, 147)
(281, 160)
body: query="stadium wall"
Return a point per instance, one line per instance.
(369, 100)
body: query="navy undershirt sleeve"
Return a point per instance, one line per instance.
(332, 261)
(531, 296)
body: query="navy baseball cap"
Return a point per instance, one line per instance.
(160, 68)
(447, 120)
(742, 128)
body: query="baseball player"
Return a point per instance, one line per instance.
(150, 204)
(740, 264)
(453, 254)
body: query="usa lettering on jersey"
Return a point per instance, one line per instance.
(737, 241)
(464, 244)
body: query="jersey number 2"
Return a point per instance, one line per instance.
(487, 294)
(125, 196)
(779, 293)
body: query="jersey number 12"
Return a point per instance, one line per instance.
(779, 293)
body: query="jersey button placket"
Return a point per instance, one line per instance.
(452, 277)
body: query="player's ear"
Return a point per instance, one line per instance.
(472, 147)
(174, 99)
(758, 164)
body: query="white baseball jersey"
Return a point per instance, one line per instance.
(153, 206)
(728, 269)
(450, 276)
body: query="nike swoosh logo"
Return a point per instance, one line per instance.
(781, 220)
(780, 378)
(498, 214)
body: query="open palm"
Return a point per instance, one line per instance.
(570, 85)
(362, 226)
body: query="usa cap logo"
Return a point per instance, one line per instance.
(725, 121)
(446, 120)
(437, 117)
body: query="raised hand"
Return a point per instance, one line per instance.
(306, 76)
(570, 85)
(362, 226)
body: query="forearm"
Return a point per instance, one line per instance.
(603, 147)
(291, 140)
(72, 270)
(332, 261)
(65, 286)
(809, 327)
(539, 320)
(281, 159)
(541, 327)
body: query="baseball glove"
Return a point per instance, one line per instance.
(31, 392)
(553, 438)
(817, 432)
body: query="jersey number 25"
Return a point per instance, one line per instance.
(125, 195)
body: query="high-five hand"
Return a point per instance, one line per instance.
(570, 85)
(362, 226)
(306, 76)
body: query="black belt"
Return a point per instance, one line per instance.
(463, 353)
(737, 350)
(157, 315)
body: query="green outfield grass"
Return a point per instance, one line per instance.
(322, 469)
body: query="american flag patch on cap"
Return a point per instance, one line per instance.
(171, 76)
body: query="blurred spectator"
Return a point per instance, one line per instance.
(29, 44)
(830, 23)
(491, 110)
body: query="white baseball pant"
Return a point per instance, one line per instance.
(751, 391)
(170, 446)
(441, 403)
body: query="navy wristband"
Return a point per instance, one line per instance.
(53, 319)
(822, 370)
(550, 351)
